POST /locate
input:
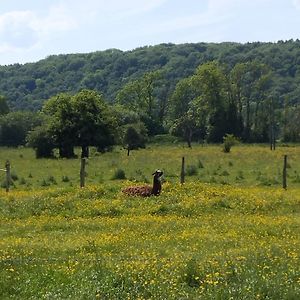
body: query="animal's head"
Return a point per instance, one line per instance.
(157, 174)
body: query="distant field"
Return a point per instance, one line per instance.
(230, 232)
(244, 166)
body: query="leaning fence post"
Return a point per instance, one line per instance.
(284, 185)
(82, 172)
(8, 179)
(182, 171)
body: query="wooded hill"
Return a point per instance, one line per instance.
(28, 86)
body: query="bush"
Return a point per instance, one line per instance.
(14, 176)
(119, 174)
(65, 179)
(191, 170)
(22, 181)
(200, 164)
(51, 180)
(229, 140)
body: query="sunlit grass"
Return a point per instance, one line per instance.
(194, 241)
(244, 166)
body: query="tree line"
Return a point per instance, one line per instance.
(28, 86)
(212, 102)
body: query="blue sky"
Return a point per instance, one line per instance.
(33, 29)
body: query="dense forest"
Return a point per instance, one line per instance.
(191, 90)
(28, 86)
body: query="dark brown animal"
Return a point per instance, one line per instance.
(146, 190)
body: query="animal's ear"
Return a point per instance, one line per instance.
(158, 172)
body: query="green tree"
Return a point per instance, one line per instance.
(92, 121)
(4, 109)
(60, 115)
(81, 120)
(250, 83)
(213, 91)
(187, 113)
(134, 137)
(14, 127)
(40, 140)
(291, 130)
(141, 95)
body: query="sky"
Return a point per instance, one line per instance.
(31, 30)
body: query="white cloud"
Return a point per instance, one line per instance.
(16, 30)
(25, 29)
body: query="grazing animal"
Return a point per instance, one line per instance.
(146, 190)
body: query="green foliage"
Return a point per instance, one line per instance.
(41, 141)
(91, 120)
(142, 95)
(229, 140)
(119, 174)
(65, 179)
(134, 137)
(4, 109)
(250, 81)
(191, 170)
(15, 126)
(81, 120)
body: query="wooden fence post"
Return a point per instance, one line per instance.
(182, 171)
(82, 172)
(284, 184)
(8, 178)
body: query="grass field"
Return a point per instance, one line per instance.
(230, 232)
(244, 166)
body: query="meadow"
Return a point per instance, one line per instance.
(229, 232)
(246, 165)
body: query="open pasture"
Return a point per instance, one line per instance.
(206, 239)
(246, 165)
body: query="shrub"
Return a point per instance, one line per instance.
(224, 173)
(240, 175)
(200, 164)
(14, 176)
(51, 180)
(191, 170)
(22, 181)
(45, 183)
(229, 140)
(65, 179)
(119, 174)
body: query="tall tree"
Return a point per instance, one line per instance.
(61, 125)
(250, 82)
(14, 127)
(142, 96)
(213, 91)
(81, 120)
(4, 109)
(92, 123)
(134, 137)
